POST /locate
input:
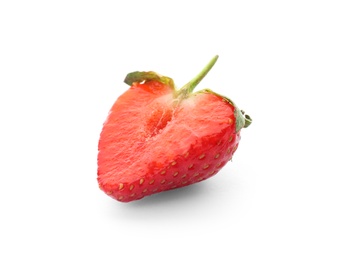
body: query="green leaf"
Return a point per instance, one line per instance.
(144, 76)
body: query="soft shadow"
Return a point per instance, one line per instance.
(180, 195)
(187, 202)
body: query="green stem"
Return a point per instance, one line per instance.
(189, 87)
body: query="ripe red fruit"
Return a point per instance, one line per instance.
(158, 138)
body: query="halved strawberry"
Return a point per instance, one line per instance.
(158, 138)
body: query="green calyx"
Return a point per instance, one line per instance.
(242, 120)
(144, 76)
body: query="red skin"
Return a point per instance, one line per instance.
(146, 148)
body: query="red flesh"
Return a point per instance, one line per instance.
(150, 144)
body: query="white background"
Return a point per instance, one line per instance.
(62, 65)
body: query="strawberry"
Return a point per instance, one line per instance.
(157, 137)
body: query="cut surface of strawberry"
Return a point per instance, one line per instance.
(158, 138)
